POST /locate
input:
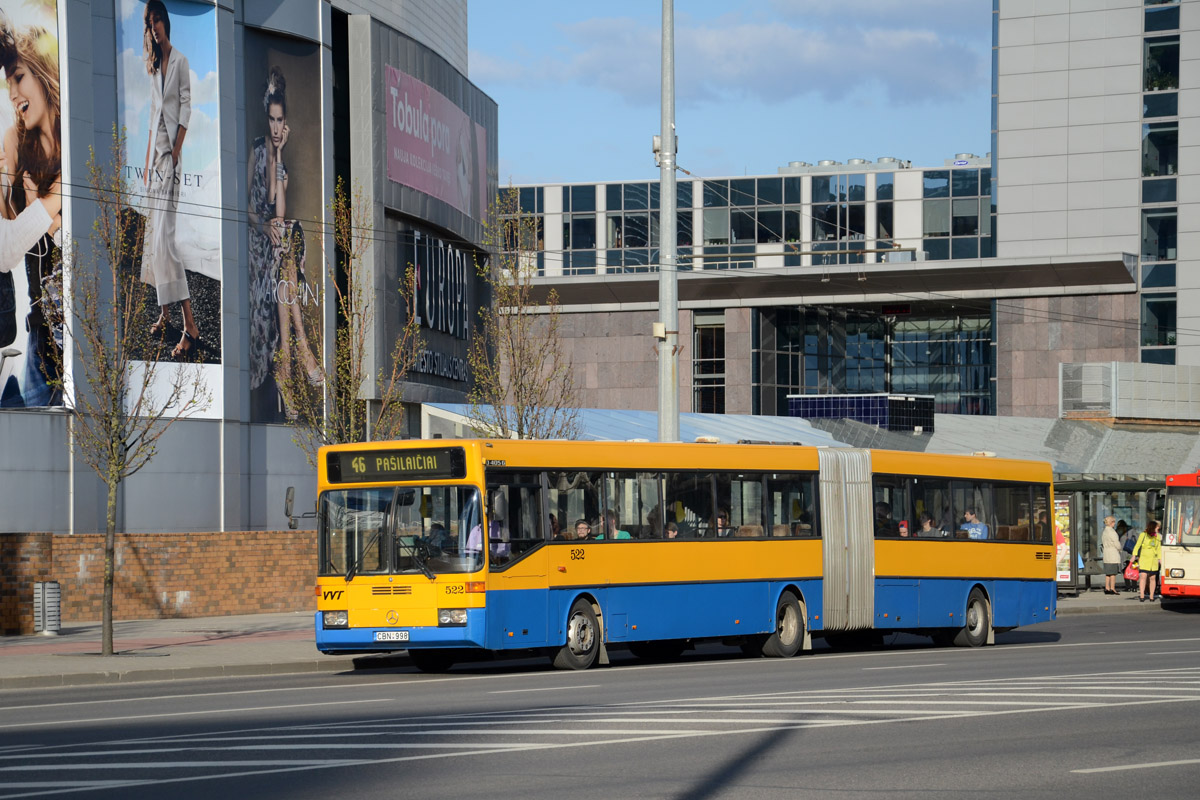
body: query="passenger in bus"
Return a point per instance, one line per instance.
(1041, 530)
(583, 530)
(611, 530)
(884, 526)
(971, 524)
(723, 526)
(556, 532)
(672, 530)
(927, 529)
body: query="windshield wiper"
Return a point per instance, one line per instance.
(353, 570)
(421, 556)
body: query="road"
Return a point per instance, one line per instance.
(1097, 706)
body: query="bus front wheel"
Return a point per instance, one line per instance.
(785, 642)
(583, 638)
(975, 632)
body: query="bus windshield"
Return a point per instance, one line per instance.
(400, 530)
(1182, 525)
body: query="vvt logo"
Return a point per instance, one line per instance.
(332, 594)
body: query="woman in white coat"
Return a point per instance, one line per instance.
(170, 114)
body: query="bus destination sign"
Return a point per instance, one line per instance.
(373, 466)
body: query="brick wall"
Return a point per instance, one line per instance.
(159, 575)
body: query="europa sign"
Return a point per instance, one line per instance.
(433, 146)
(443, 301)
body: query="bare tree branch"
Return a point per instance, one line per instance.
(121, 408)
(332, 410)
(524, 381)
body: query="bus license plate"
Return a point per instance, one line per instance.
(391, 636)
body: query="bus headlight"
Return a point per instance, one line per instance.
(335, 619)
(451, 616)
(1176, 573)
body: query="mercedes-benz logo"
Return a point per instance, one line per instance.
(392, 618)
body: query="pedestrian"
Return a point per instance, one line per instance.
(1146, 555)
(1110, 545)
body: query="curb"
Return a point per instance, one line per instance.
(177, 674)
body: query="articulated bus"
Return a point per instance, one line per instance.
(1179, 572)
(453, 549)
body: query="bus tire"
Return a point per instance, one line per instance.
(583, 638)
(974, 633)
(431, 660)
(788, 637)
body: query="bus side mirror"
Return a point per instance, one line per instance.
(289, 500)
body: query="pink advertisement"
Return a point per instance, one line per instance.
(434, 147)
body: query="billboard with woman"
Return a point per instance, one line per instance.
(284, 212)
(168, 104)
(30, 205)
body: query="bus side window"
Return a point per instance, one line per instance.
(630, 500)
(791, 504)
(514, 515)
(574, 496)
(1043, 524)
(689, 503)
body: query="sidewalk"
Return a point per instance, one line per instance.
(258, 644)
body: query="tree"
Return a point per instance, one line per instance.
(333, 410)
(524, 382)
(124, 395)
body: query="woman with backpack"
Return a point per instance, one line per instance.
(1146, 555)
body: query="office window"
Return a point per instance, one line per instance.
(1158, 190)
(1158, 320)
(885, 185)
(637, 196)
(1161, 63)
(716, 194)
(1161, 17)
(1159, 234)
(1158, 276)
(936, 218)
(708, 365)
(937, 183)
(612, 196)
(1160, 149)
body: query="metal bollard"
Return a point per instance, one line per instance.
(47, 607)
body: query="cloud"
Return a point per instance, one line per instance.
(966, 17)
(205, 90)
(757, 56)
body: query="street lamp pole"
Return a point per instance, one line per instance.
(667, 330)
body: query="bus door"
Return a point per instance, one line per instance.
(517, 604)
(847, 539)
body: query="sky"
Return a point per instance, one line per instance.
(759, 83)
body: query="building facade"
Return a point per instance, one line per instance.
(240, 120)
(969, 281)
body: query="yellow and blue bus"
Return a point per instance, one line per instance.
(453, 548)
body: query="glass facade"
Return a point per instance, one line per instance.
(1160, 165)
(958, 215)
(862, 351)
(708, 363)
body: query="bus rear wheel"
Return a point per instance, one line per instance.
(583, 638)
(431, 660)
(978, 622)
(788, 637)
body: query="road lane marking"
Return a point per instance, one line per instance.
(1150, 765)
(549, 689)
(48, 723)
(907, 666)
